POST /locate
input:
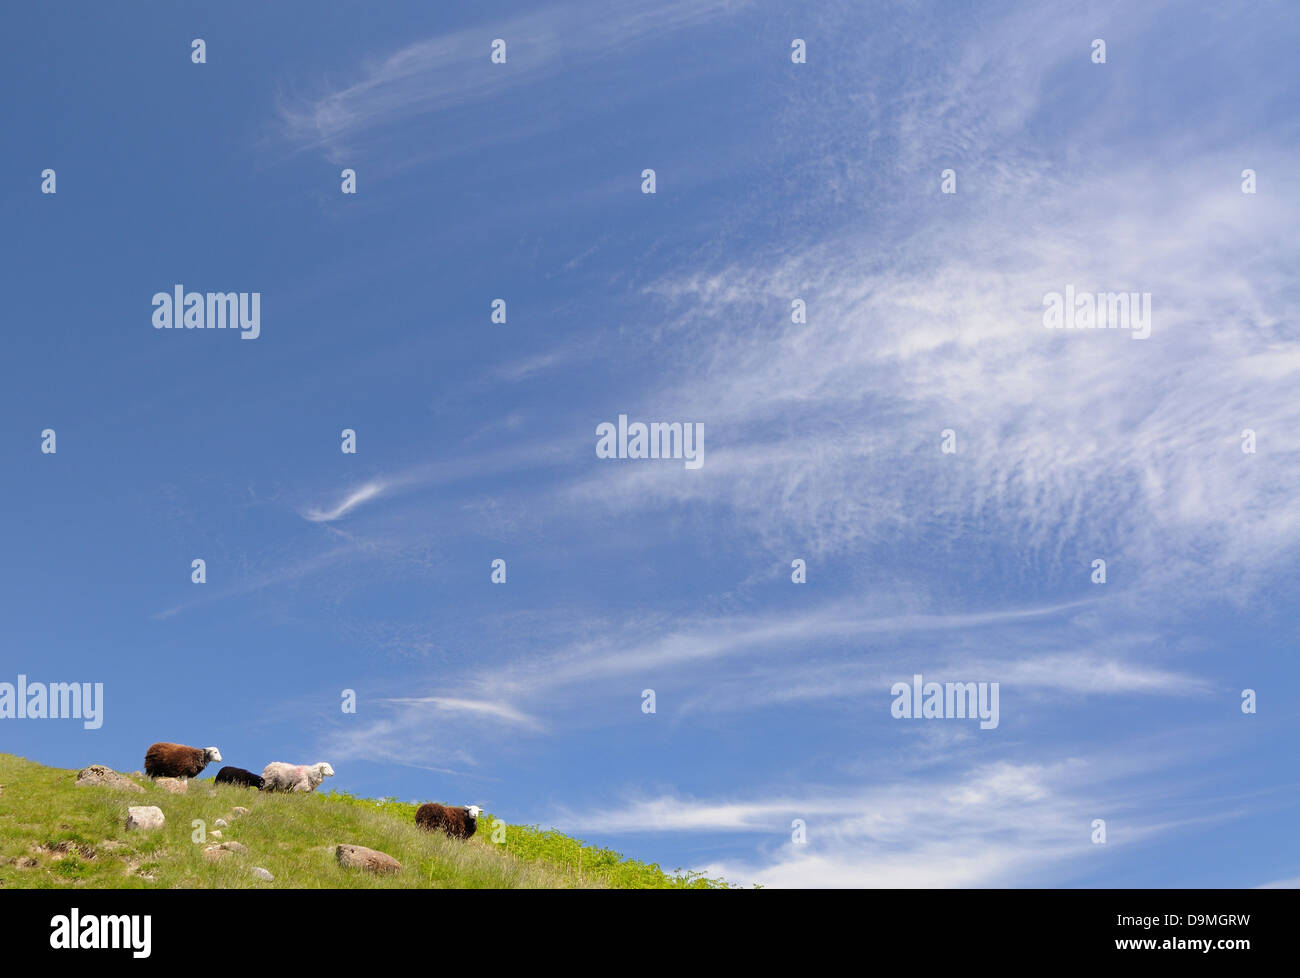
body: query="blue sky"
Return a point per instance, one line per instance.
(775, 181)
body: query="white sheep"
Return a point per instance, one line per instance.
(279, 776)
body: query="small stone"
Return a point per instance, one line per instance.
(219, 851)
(240, 810)
(263, 874)
(221, 823)
(215, 833)
(371, 860)
(143, 817)
(175, 786)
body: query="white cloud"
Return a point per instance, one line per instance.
(432, 732)
(1293, 883)
(681, 644)
(924, 313)
(484, 708)
(357, 497)
(993, 825)
(829, 433)
(451, 71)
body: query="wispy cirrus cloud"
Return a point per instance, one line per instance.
(495, 710)
(414, 731)
(826, 431)
(677, 646)
(986, 826)
(824, 435)
(448, 72)
(716, 665)
(358, 497)
(283, 572)
(1293, 883)
(1055, 675)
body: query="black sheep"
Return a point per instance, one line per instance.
(238, 776)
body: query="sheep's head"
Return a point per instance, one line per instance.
(473, 811)
(211, 754)
(324, 770)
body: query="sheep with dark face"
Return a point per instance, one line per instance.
(238, 776)
(164, 760)
(279, 776)
(458, 823)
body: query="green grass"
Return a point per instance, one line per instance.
(55, 834)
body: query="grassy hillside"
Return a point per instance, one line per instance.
(56, 834)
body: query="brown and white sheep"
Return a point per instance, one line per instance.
(279, 776)
(164, 760)
(459, 823)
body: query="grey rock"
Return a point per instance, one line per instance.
(370, 860)
(99, 776)
(140, 818)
